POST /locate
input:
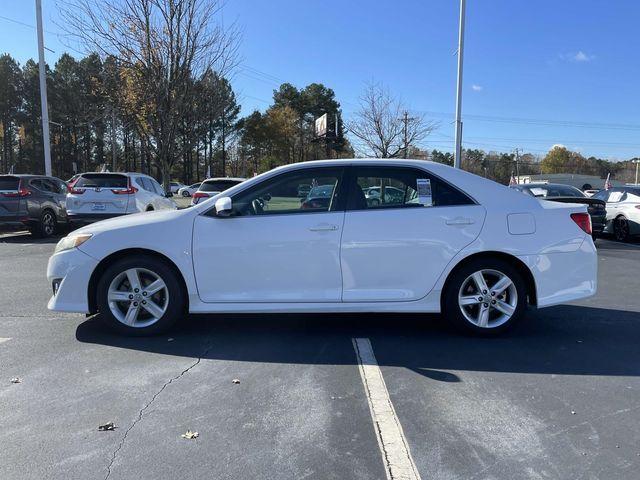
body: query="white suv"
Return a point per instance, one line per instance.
(96, 196)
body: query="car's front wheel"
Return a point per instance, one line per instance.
(140, 296)
(185, 193)
(485, 297)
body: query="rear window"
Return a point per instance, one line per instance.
(551, 191)
(217, 185)
(9, 183)
(102, 180)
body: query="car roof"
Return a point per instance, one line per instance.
(217, 179)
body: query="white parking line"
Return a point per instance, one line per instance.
(393, 445)
(3, 339)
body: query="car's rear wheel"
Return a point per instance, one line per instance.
(621, 229)
(140, 296)
(185, 193)
(485, 297)
(46, 226)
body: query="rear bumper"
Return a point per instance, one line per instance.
(566, 276)
(598, 222)
(86, 218)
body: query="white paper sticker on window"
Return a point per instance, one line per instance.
(424, 192)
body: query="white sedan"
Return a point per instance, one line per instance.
(454, 242)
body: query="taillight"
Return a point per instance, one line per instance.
(22, 192)
(125, 191)
(76, 191)
(583, 220)
(130, 190)
(198, 195)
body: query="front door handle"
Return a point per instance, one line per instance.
(459, 221)
(324, 227)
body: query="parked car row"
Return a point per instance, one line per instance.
(614, 211)
(44, 205)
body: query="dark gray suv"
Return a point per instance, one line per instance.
(33, 201)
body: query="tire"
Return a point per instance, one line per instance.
(186, 194)
(149, 209)
(122, 308)
(46, 226)
(464, 303)
(621, 229)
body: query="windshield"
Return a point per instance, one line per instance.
(9, 183)
(102, 180)
(217, 185)
(548, 191)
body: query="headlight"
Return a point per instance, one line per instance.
(72, 241)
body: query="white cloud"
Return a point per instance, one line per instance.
(476, 88)
(578, 57)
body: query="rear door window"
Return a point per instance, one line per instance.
(396, 187)
(101, 180)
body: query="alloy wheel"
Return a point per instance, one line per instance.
(48, 223)
(621, 229)
(138, 297)
(488, 298)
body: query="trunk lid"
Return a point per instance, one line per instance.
(12, 196)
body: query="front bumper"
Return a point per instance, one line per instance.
(69, 273)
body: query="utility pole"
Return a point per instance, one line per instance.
(457, 161)
(43, 91)
(405, 120)
(113, 139)
(517, 165)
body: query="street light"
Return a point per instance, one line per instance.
(457, 160)
(636, 161)
(43, 91)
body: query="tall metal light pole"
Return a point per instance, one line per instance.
(636, 161)
(43, 91)
(457, 162)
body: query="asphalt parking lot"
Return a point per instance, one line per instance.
(558, 397)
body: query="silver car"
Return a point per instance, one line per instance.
(623, 211)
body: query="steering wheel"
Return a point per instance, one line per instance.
(257, 206)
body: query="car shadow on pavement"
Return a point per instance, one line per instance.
(563, 340)
(26, 237)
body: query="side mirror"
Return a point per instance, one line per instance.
(224, 207)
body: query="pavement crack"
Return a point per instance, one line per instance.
(148, 404)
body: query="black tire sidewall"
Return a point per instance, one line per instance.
(451, 309)
(38, 229)
(175, 309)
(616, 226)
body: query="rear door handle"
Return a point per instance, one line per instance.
(459, 221)
(324, 227)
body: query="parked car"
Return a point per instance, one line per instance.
(557, 192)
(318, 197)
(213, 186)
(36, 202)
(175, 186)
(189, 190)
(303, 190)
(623, 211)
(473, 249)
(97, 196)
(391, 194)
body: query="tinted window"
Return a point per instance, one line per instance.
(102, 180)
(388, 187)
(217, 185)
(156, 187)
(9, 183)
(602, 195)
(146, 184)
(279, 195)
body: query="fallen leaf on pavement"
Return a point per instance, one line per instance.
(236, 381)
(190, 435)
(107, 427)
(16, 380)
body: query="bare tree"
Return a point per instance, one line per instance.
(382, 124)
(160, 46)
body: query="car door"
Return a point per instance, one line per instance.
(395, 247)
(59, 191)
(274, 247)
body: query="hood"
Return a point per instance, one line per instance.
(135, 219)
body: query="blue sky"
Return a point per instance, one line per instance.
(572, 66)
